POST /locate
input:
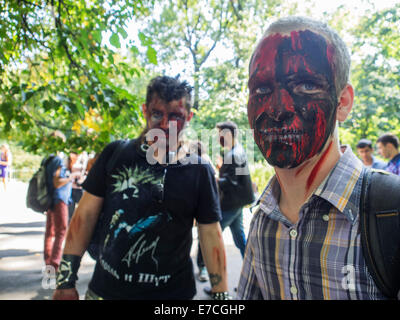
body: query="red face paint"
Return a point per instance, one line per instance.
(162, 115)
(292, 99)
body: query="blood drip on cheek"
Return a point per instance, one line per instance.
(320, 130)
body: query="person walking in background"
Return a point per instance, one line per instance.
(388, 147)
(60, 186)
(77, 165)
(5, 161)
(365, 152)
(234, 184)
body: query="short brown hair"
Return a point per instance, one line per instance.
(228, 125)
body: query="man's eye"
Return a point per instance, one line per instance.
(262, 91)
(156, 115)
(307, 87)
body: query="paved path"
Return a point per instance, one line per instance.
(21, 252)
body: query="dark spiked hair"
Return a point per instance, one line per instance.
(169, 89)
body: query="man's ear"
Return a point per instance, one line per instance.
(144, 109)
(190, 116)
(346, 100)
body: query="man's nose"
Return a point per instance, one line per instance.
(164, 122)
(281, 106)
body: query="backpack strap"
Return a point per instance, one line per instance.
(380, 229)
(115, 155)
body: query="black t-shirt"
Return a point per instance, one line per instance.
(147, 225)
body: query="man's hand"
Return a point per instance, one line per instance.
(66, 294)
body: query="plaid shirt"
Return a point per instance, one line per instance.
(393, 165)
(319, 257)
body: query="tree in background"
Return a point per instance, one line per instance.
(58, 71)
(376, 75)
(73, 66)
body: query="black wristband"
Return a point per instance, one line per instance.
(221, 296)
(67, 273)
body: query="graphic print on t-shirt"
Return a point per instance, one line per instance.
(134, 232)
(129, 178)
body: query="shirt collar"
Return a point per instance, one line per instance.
(342, 188)
(395, 159)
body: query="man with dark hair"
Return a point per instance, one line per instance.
(148, 201)
(388, 147)
(365, 151)
(304, 240)
(234, 184)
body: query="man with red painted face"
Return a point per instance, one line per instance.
(148, 202)
(303, 241)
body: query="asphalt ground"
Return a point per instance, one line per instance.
(22, 270)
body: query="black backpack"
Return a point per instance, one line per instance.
(39, 197)
(95, 242)
(380, 229)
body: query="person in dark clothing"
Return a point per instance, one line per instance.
(148, 203)
(234, 184)
(388, 147)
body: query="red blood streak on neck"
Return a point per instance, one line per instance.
(316, 168)
(300, 169)
(279, 181)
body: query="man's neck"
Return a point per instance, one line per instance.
(229, 147)
(369, 162)
(394, 154)
(298, 184)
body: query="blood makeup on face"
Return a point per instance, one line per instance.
(293, 98)
(162, 115)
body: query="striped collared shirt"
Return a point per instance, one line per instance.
(319, 257)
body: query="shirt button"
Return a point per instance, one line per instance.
(293, 290)
(293, 233)
(325, 217)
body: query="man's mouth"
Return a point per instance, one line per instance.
(280, 135)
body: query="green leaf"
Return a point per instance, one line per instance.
(26, 95)
(80, 109)
(114, 40)
(97, 36)
(152, 55)
(122, 32)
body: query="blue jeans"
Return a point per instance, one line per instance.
(234, 220)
